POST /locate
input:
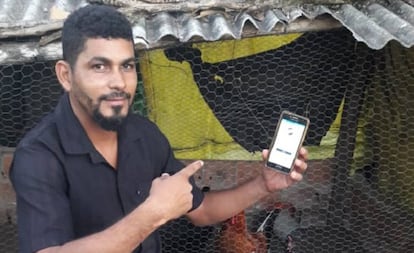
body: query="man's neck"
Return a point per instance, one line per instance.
(104, 141)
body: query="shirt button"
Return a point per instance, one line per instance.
(138, 192)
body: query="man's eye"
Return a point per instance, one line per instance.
(129, 66)
(99, 67)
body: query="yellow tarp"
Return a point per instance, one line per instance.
(175, 104)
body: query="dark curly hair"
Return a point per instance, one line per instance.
(92, 21)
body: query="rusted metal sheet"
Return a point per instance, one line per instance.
(374, 22)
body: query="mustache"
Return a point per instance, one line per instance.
(117, 94)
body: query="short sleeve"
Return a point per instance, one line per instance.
(43, 211)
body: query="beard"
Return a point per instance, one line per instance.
(114, 122)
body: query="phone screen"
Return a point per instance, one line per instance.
(288, 140)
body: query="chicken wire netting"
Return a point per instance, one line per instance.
(357, 195)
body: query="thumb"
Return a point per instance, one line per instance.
(191, 169)
(265, 154)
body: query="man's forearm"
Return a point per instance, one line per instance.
(123, 236)
(220, 205)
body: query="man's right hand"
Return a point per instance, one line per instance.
(172, 195)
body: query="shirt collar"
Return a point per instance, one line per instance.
(73, 136)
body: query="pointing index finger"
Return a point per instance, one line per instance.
(191, 169)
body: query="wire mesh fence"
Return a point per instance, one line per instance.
(221, 101)
(8, 241)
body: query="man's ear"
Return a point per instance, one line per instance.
(64, 74)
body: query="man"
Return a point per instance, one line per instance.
(93, 177)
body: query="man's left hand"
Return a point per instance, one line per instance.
(276, 180)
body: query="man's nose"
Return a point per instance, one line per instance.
(117, 80)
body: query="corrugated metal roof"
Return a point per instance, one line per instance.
(372, 22)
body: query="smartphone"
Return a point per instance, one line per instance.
(288, 138)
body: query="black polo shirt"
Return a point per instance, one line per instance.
(65, 188)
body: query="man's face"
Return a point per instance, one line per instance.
(104, 80)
